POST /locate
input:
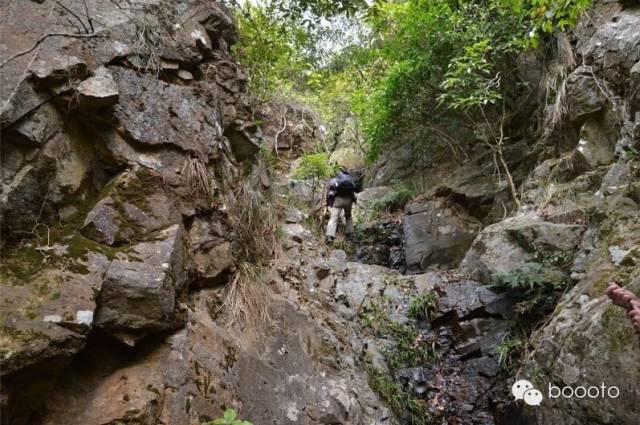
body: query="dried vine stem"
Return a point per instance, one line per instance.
(43, 38)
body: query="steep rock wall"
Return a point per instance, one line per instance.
(115, 170)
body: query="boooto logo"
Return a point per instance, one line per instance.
(523, 390)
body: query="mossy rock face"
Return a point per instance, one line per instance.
(134, 205)
(48, 287)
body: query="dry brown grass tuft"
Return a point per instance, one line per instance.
(554, 86)
(247, 300)
(197, 177)
(254, 217)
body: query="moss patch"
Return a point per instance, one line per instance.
(136, 189)
(21, 264)
(619, 330)
(12, 338)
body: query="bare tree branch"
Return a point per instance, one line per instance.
(86, 14)
(86, 30)
(284, 127)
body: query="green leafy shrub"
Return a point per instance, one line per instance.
(549, 15)
(396, 199)
(228, 418)
(316, 167)
(631, 154)
(422, 305)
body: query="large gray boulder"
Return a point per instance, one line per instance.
(139, 292)
(155, 113)
(47, 305)
(506, 245)
(306, 377)
(585, 96)
(615, 47)
(436, 232)
(211, 251)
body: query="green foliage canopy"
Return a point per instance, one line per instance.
(407, 69)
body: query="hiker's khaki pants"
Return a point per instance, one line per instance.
(339, 204)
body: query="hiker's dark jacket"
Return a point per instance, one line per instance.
(343, 185)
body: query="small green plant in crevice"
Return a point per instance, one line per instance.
(228, 418)
(422, 305)
(560, 260)
(631, 154)
(530, 279)
(508, 352)
(400, 401)
(407, 347)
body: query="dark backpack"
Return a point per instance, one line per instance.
(345, 185)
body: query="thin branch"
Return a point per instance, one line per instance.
(284, 127)
(86, 11)
(86, 30)
(43, 38)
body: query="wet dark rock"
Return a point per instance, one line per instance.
(486, 366)
(469, 299)
(483, 334)
(415, 379)
(379, 243)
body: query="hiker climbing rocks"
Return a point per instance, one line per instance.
(626, 299)
(341, 194)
